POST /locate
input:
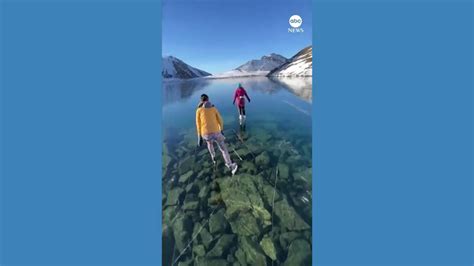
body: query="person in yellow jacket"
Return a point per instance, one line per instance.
(210, 126)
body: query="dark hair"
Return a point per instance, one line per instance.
(204, 97)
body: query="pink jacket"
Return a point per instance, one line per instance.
(240, 95)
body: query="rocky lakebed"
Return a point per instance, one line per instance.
(260, 216)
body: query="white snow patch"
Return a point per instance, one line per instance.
(238, 73)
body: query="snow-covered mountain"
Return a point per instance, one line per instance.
(256, 67)
(300, 65)
(175, 68)
(266, 63)
(238, 73)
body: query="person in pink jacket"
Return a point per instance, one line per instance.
(239, 96)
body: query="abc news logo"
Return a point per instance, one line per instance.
(295, 23)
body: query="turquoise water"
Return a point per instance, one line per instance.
(262, 215)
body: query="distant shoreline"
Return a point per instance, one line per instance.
(233, 77)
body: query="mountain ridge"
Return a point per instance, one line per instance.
(299, 65)
(174, 67)
(254, 67)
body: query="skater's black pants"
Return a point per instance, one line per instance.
(242, 110)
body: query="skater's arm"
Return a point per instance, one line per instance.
(235, 97)
(219, 120)
(247, 96)
(198, 123)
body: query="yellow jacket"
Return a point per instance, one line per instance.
(208, 120)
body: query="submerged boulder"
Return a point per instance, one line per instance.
(240, 256)
(186, 165)
(202, 153)
(199, 250)
(243, 196)
(192, 188)
(174, 196)
(206, 237)
(214, 199)
(299, 253)
(222, 245)
(249, 168)
(218, 223)
(294, 159)
(283, 171)
(289, 218)
(254, 255)
(169, 213)
(197, 167)
(262, 136)
(288, 237)
(210, 262)
(270, 194)
(197, 226)
(268, 247)
(244, 224)
(263, 159)
(182, 229)
(185, 263)
(204, 192)
(191, 205)
(185, 177)
(200, 175)
(242, 152)
(304, 175)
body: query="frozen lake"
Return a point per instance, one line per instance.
(263, 213)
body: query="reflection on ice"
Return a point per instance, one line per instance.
(302, 87)
(176, 90)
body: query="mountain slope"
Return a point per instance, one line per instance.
(256, 67)
(175, 68)
(298, 66)
(265, 63)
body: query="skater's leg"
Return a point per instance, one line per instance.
(210, 147)
(225, 153)
(241, 117)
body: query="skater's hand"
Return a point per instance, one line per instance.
(200, 141)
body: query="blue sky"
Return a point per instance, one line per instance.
(217, 36)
